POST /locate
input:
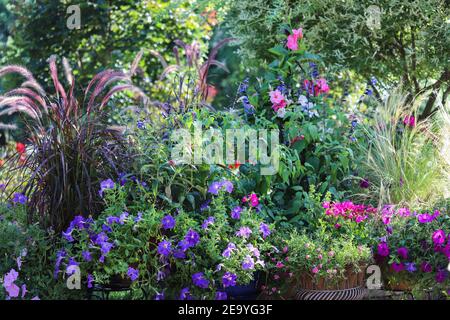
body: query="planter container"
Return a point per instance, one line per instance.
(350, 288)
(244, 292)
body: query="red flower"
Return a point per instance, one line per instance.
(20, 147)
(234, 166)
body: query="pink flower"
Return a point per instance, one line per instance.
(307, 257)
(409, 121)
(322, 86)
(279, 265)
(292, 39)
(383, 249)
(403, 252)
(439, 237)
(397, 267)
(331, 253)
(276, 97)
(315, 270)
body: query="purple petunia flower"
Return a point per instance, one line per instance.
(207, 222)
(229, 279)
(138, 218)
(216, 186)
(90, 280)
(264, 229)
(221, 295)
(60, 255)
(160, 296)
(441, 275)
(104, 185)
(199, 280)
(253, 250)
(244, 232)
(205, 205)
(192, 238)
(86, 256)
(248, 263)
(140, 124)
(426, 267)
(183, 245)
(112, 219)
(236, 212)
(410, 267)
(229, 250)
(132, 273)
(68, 234)
(168, 222)
(364, 184)
(185, 294)
(123, 216)
(164, 248)
(179, 254)
(19, 198)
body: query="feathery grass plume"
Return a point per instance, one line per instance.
(70, 148)
(402, 155)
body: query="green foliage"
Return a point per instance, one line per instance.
(315, 134)
(411, 44)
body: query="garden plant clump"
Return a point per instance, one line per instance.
(310, 176)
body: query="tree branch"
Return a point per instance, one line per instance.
(428, 110)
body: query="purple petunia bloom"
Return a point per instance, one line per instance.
(72, 262)
(123, 216)
(179, 254)
(229, 279)
(253, 250)
(383, 249)
(441, 275)
(138, 218)
(19, 198)
(68, 234)
(140, 124)
(199, 280)
(168, 222)
(248, 263)
(410, 267)
(205, 205)
(86, 256)
(426, 267)
(244, 232)
(207, 222)
(236, 212)
(90, 280)
(264, 229)
(185, 294)
(427, 218)
(60, 255)
(229, 250)
(221, 295)
(192, 238)
(164, 248)
(364, 184)
(160, 296)
(106, 184)
(132, 273)
(112, 219)
(183, 245)
(216, 186)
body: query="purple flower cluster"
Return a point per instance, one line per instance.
(105, 185)
(200, 280)
(229, 279)
(217, 186)
(133, 273)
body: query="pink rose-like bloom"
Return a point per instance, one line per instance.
(307, 257)
(397, 267)
(439, 237)
(276, 97)
(279, 265)
(292, 39)
(403, 252)
(315, 270)
(383, 249)
(322, 85)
